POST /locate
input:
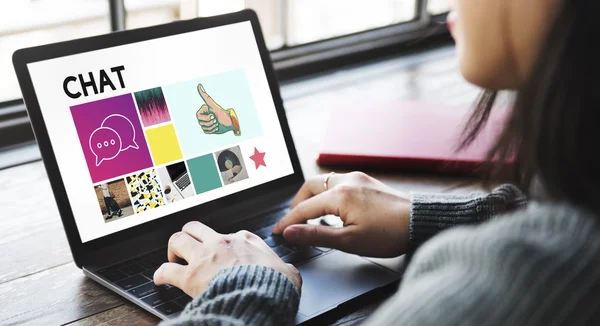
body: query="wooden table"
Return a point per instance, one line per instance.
(39, 283)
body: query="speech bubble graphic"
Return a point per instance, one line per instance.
(124, 128)
(116, 134)
(105, 143)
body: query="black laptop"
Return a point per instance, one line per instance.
(109, 112)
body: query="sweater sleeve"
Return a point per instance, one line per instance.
(243, 295)
(537, 266)
(433, 213)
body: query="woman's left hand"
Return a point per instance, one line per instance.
(207, 252)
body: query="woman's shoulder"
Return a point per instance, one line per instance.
(550, 236)
(547, 224)
(561, 219)
(542, 261)
(535, 223)
(542, 229)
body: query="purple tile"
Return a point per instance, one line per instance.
(111, 137)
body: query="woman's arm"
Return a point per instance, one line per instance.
(260, 295)
(433, 213)
(537, 266)
(243, 295)
(389, 221)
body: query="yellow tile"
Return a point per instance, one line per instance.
(163, 144)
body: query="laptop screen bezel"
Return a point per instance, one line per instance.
(23, 57)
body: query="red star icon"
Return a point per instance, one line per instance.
(258, 158)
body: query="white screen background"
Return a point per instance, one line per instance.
(173, 59)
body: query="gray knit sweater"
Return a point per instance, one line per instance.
(538, 265)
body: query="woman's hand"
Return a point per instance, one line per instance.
(376, 218)
(207, 252)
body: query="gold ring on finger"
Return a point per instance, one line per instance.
(326, 182)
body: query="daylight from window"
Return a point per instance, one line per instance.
(285, 23)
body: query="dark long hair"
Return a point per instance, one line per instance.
(555, 121)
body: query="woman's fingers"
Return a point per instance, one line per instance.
(317, 206)
(182, 245)
(317, 235)
(305, 192)
(315, 186)
(199, 231)
(170, 273)
(186, 243)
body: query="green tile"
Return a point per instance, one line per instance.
(204, 173)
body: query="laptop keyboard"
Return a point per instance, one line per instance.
(291, 253)
(135, 275)
(183, 182)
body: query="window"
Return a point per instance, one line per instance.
(28, 23)
(289, 23)
(285, 23)
(315, 20)
(437, 7)
(143, 13)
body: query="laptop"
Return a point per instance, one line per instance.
(180, 179)
(115, 110)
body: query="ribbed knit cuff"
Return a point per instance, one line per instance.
(433, 213)
(245, 295)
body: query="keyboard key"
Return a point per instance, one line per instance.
(157, 262)
(146, 264)
(274, 241)
(161, 296)
(169, 308)
(132, 269)
(282, 251)
(112, 275)
(183, 300)
(301, 256)
(294, 247)
(277, 214)
(158, 256)
(146, 289)
(162, 252)
(149, 273)
(132, 282)
(183, 182)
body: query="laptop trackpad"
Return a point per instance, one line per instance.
(336, 278)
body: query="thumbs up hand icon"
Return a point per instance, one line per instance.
(213, 119)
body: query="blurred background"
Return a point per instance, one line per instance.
(285, 23)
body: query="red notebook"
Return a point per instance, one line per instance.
(407, 136)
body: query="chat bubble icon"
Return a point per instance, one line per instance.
(124, 128)
(105, 143)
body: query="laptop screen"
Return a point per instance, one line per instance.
(123, 121)
(176, 170)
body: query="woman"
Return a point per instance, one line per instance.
(537, 264)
